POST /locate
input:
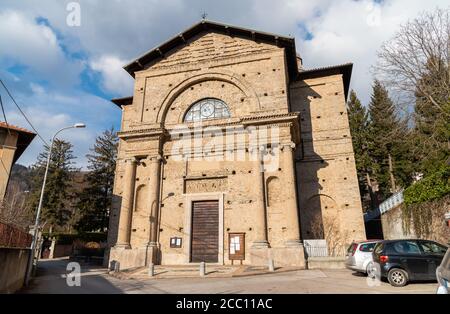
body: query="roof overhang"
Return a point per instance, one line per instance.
(344, 69)
(23, 142)
(122, 101)
(208, 26)
(24, 139)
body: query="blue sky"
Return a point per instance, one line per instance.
(61, 75)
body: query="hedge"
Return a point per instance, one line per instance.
(433, 187)
(69, 238)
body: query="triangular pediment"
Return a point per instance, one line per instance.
(211, 46)
(211, 40)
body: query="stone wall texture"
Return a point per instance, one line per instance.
(13, 268)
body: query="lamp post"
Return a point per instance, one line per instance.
(41, 199)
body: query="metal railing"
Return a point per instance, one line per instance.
(392, 202)
(316, 248)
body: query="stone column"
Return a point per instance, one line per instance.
(287, 155)
(154, 193)
(260, 217)
(126, 209)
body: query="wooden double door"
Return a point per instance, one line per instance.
(205, 232)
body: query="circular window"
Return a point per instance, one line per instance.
(207, 109)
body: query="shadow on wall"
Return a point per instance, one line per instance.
(113, 227)
(313, 220)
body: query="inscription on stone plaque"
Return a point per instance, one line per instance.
(206, 185)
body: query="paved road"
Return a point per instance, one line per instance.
(52, 279)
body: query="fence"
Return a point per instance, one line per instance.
(316, 248)
(13, 237)
(320, 248)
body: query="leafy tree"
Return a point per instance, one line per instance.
(94, 202)
(426, 202)
(56, 208)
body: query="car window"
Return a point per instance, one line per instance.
(367, 247)
(406, 247)
(378, 248)
(351, 248)
(432, 248)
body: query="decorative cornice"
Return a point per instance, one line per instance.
(285, 119)
(142, 133)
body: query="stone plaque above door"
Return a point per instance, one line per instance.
(206, 185)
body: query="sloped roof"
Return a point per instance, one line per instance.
(288, 43)
(24, 140)
(344, 69)
(209, 26)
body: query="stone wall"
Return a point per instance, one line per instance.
(393, 225)
(13, 269)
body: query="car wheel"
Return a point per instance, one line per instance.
(398, 277)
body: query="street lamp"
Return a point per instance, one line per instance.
(41, 199)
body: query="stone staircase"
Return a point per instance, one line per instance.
(193, 271)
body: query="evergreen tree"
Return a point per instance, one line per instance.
(94, 202)
(432, 127)
(389, 144)
(359, 123)
(57, 208)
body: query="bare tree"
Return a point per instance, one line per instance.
(419, 49)
(328, 228)
(13, 209)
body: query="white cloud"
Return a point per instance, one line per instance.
(112, 33)
(115, 79)
(353, 31)
(50, 111)
(26, 42)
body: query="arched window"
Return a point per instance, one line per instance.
(207, 109)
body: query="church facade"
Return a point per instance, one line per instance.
(230, 152)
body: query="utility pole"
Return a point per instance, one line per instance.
(41, 200)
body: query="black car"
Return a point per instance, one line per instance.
(401, 261)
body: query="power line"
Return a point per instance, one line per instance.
(26, 118)
(4, 115)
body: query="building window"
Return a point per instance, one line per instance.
(207, 109)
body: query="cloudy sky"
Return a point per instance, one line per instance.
(61, 74)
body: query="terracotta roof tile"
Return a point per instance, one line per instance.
(3, 125)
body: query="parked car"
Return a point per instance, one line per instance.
(443, 275)
(402, 261)
(359, 256)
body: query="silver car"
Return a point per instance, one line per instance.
(359, 256)
(443, 275)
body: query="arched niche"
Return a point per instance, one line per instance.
(274, 191)
(322, 217)
(236, 93)
(140, 198)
